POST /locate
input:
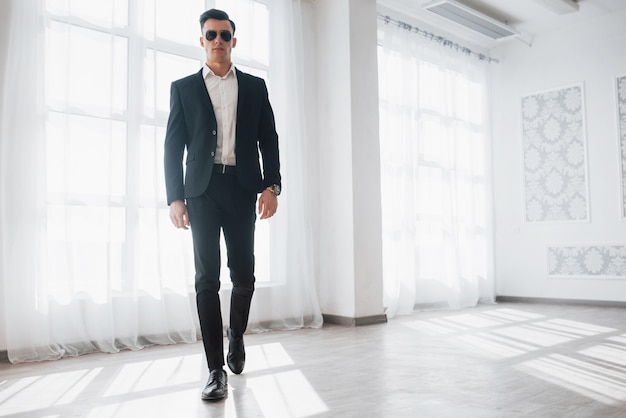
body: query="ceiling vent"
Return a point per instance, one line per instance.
(470, 18)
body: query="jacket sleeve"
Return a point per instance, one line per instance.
(176, 137)
(268, 141)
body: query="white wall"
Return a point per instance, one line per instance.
(592, 55)
(343, 71)
(335, 157)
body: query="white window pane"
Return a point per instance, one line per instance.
(480, 205)
(147, 25)
(476, 92)
(149, 83)
(178, 21)
(120, 12)
(431, 88)
(164, 254)
(399, 78)
(478, 153)
(430, 249)
(85, 156)
(84, 254)
(463, 150)
(85, 69)
(254, 71)
(119, 75)
(252, 20)
(151, 173)
(430, 192)
(170, 67)
(431, 138)
(462, 100)
(106, 13)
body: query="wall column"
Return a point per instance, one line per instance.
(350, 247)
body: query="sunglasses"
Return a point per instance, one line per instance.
(224, 34)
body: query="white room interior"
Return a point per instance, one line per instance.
(580, 47)
(562, 44)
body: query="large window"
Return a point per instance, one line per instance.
(90, 259)
(434, 173)
(108, 68)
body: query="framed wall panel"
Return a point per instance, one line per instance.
(555, 156)
(587, 261)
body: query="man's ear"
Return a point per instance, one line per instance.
(234, 42)
(202, 41)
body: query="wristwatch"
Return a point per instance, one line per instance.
(274, 188)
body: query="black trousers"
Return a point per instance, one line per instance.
(225, 206)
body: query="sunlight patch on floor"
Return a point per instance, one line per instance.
(513, 314)
(531, 335)
(147, 375)
(496, 346)
(166, 387)
(570, 329)
(429, 328)
(607, 353)
(619, 339)
(287, 394)
(174, 404)
(475, 321)
(598, 382)
(39, 392)
(266, 356)
(467, 322)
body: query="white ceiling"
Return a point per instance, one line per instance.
(530, 17)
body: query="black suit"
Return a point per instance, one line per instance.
(192, 124)
(217, 200)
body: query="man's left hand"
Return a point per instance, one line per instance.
(268, 203)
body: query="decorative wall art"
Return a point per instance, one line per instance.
(596, 261)
(621, 114)
(555, 166)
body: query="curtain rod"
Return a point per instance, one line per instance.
(436, 38)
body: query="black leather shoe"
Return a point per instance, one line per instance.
(236, 358)
(216, 387)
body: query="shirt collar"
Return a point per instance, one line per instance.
(206, 71)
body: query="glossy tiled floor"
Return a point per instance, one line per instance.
(505, 360)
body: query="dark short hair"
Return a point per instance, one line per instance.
(217, 15)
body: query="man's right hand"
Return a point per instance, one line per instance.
(179, 215)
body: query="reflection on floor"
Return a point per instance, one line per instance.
(504, 360)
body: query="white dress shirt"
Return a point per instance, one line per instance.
(223, 92)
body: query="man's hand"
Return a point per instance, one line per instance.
(268, 203)
(179, 215)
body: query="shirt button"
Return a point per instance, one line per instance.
(214, 132)
(212, 154)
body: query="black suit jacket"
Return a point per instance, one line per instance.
(192, 125)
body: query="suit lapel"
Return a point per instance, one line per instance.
(203, 94)
(243, 87)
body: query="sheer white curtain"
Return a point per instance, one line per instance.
(89, 259)
(291, 301)
(434, 173)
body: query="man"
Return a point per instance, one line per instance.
(223, 118)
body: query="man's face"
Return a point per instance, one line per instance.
(217, 50)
